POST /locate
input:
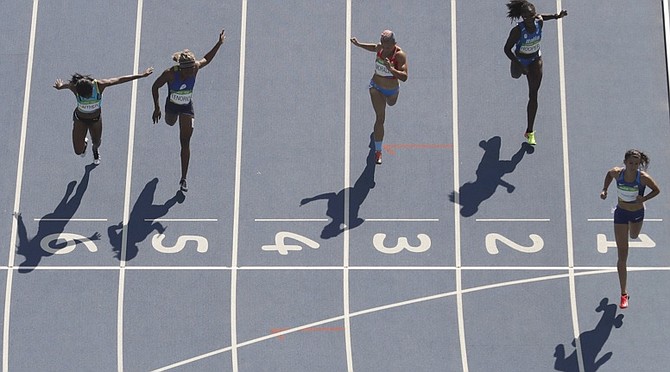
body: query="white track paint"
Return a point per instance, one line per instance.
(347, 182)
(17, 191)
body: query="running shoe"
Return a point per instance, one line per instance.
(378, 157)
(624, 301)
(182, 185)
(530, 136)
(96, 156)
(83, 153)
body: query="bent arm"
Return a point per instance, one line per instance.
(514, 35)
(648, 181)
(370, 47)
(162, 80)
(608, 179)
(401, 71)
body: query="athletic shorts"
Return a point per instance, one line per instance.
(86, 121)
(623, 216)
(385, 92)
(529, 59)
(173, 108)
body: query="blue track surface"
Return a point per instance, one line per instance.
(466, 250)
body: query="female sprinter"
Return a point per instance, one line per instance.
(390, 66)
(178, 103)
(631, 181)
(526, 58)
(87, 116)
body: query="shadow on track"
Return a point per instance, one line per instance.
(51, 226)
(357, 195)
(489, 176)
(141, 221)
(592, 342)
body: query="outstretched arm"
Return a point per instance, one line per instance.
(103, 83)
(367, 46)
(548, 17)
(210, 55)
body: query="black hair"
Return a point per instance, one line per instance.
(83, 84)
(644, 159)
(516, 8)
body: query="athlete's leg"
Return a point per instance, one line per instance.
(515, 70)
(96, 133)
(79, 131)
(621, 237)
(534, 80)
(171, 118)
(185, 133)
(635, 228)
(379, 105)
(391, 100)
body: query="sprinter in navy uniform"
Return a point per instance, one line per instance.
(178, 103)
(526, 58)
(631, 182)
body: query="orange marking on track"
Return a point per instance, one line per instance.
(310, 329)
(390, 148)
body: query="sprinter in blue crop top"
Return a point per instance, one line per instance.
(631, 182)
(526, 58)
(390, 66)
(87, 115)
(180, 80)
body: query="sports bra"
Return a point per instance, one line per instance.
(181, 90)
(380, 67)
(627, 192)
(91, 104)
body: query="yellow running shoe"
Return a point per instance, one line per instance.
(530, 136)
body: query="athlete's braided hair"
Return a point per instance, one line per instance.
(644, 159)
(516, 8)
(83, 84)
(185, 58)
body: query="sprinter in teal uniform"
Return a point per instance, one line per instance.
(179, 103)
(87, 116)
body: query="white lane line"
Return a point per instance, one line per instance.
(512, 219)
(347, 181)
(457, 216)
(19, 183)
(402, 220)
(339, 268)
(70, 219)
(666, 32)
(238, 177)
(611, 219)
(181, 220)
(566, 186)
(378, 309)
(126, 201)
(291, 220)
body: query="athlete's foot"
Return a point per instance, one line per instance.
(624, 301)
(378, 157)
(530, 137)
(182, 185)
(96, 156)
(83, 153)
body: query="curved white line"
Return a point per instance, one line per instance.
(392, 306)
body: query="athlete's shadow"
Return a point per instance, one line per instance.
(592, 342)
(489, 176)
(141, 221)
(51, 224)
(357, 195)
